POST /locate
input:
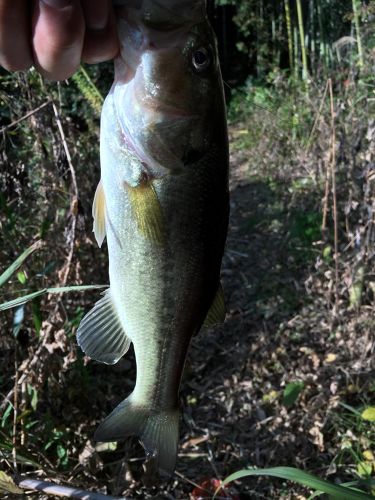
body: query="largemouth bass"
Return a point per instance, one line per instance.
(162, 203)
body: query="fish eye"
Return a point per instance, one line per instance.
(201, 59)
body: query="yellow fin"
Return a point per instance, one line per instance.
(98, 213)
(216, 313)
(147, 211)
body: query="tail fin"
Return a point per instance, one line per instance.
(157, 431)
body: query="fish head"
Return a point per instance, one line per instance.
(167, 91)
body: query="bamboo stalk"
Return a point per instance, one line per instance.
(279, 36)
(261, 55)
(273, 40)
(295, 52)
(322, 46)
(302, 40)
(312, 35)
(356, 14)
(289, 32)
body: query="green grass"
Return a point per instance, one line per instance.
(339, 492)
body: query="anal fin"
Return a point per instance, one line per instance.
(147, 211)
(101, 335)
(217, 311)
(98, 213)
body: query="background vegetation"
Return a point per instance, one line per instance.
(289, 379)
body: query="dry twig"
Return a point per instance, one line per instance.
(311, 135)
(24, 117)
(15, 411)
(334, 193)
(69, 259)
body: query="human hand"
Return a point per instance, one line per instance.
(55, 35)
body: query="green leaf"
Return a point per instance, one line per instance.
(21, 300)
(350, 408)
(327, 253)
(7, 451)
(26, 298)
(291, 393)
(364, 469)
(6, 414)
(61, 451)
(37, 314)
(21, 276)
(369, 414)
(33, 393)
(18, 262)
(8, 485)
(303, 478)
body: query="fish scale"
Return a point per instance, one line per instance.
(162, 203)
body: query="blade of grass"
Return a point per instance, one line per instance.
(6, 450)
(18, 262)
(303, 478)
(22, 300)
(351, 409)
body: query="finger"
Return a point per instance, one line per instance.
(101, 42)
(15, 46)
(58, 33)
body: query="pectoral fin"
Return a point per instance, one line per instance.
(101, 335)
(216, 313)
(147, 211)
(98, 213)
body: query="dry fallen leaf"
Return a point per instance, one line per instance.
(369, 414)
(195, 441)
(330, 358)
(368, 455)
(318, 438)
(8, 485)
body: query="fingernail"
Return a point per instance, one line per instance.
(97, 25)
(97, 19)
(57, 4)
